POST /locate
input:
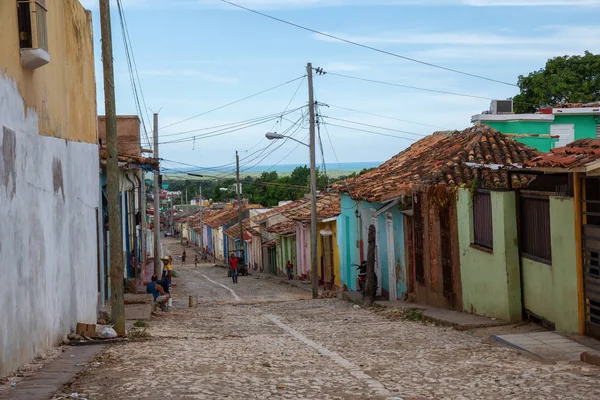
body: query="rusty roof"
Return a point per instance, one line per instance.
(130, 159)
(234, 231)
(328, 206)
(278, 210)
(284, 228)
(576, 156)
(444, 158)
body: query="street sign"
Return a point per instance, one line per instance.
(165, 185)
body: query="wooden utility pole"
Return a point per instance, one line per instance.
(112, 171)
(314, 275)
(157, 261)
(370, 284)
(239, 201)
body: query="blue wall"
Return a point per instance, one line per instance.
(348, 235)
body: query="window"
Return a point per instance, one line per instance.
(482, 219)
(33, 32)
(534, 228)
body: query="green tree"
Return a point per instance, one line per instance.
(567, 79)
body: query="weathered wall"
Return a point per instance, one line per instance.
(48, 246)
(336, 253)
(63, 92)
(550, 291)
(490, 278)
(128, 134)
(431, 291)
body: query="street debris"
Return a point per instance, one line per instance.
(107, 332)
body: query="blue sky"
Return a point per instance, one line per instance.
(195, 55)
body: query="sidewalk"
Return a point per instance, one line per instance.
(54, 375)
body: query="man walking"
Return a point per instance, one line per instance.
(234, 272)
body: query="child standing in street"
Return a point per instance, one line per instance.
(196, 261)
(183, 258)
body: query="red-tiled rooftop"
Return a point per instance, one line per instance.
(443, 158)
(328, 206)
(234, 231)
(575, 156)
(283, 228)
(277, 210)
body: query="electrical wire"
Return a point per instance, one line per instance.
(373, 132)
(383, 116)
(472, 96)
(375, 126)
(234, 102)
(131, 66)
(389, 53)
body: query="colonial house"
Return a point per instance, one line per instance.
(412, 201)
(48, 176)
(138, 241)
(549, 128)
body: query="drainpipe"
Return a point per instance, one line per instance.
(132, 226)
(142, 208)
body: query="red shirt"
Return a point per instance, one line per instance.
(234, 262)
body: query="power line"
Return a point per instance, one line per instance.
(131, 66)
(373, 132)
(234, 102)
(389, 53)
(410, 87)
(382, 116)
(375, 126)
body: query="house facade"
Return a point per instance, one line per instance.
(550, 127)
(412, 201)
(48, 176)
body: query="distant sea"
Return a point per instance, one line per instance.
(331, 167)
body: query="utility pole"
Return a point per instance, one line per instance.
(201, 223)
(313, 188)
(112, 171)
(143, 222)
(157, 266)
(369, 293)
(239, 197)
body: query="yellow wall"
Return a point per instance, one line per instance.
(63, 92)
(336, 251)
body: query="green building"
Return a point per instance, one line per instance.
(547, 129)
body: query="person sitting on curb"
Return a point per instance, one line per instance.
(156, 290)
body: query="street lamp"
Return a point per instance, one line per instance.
(313, 204)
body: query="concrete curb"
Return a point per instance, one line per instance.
(591, 357)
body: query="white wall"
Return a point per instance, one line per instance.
(48, 233)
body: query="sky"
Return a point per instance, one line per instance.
(193, 56)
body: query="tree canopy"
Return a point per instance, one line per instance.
(566, 79)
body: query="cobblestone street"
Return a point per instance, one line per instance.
(266, 340)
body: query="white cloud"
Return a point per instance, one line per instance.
(190, 73)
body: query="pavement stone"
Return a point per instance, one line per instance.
(547, 345)
(51, 377)
(275, 342)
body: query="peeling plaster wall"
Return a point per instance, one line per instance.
(48, 238)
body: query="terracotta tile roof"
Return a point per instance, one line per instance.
(283, 228)
(270, 243)
(328, 206)
(221, 217)
(234, 231)
(575, 155)
(130, 159)
(442, 158)
(257, 219)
